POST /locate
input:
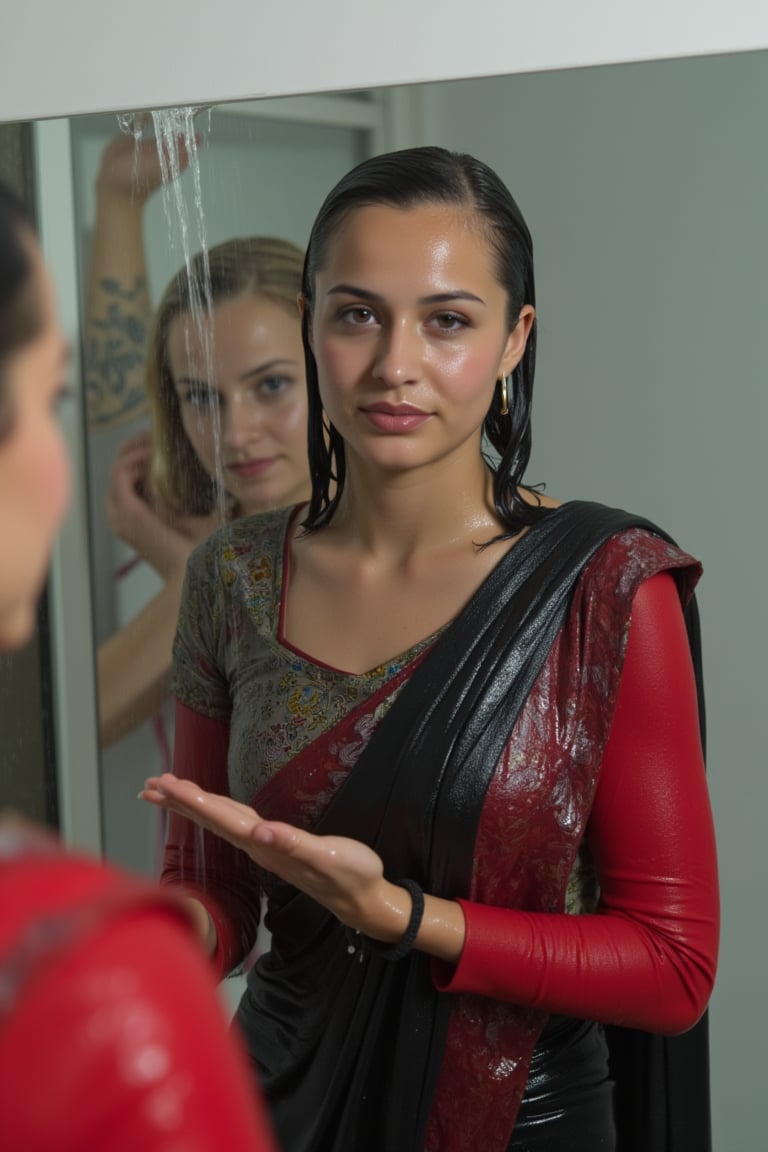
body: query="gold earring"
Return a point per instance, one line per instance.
(504, 406)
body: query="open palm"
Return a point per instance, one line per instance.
(342, 874)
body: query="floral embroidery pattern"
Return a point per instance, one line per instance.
(230, 663)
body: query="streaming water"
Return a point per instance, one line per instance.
(176, 129)
(177, 137)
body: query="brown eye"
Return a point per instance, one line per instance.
(358, 315)
(450, 322)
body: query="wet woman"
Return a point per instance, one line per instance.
(227, 398)
(220, 366)
(449, 726)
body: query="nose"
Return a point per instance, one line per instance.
(398, 355)
(240, 422)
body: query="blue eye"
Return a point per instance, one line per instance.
(274, 385)
(203, 398)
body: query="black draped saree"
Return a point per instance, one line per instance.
(349, 1045)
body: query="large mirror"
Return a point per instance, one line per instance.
(645, 187)
(258, 169)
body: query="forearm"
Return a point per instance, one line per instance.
(118, 312)
(615, 968)
(134, 666)
(647, 958)
(607, 968)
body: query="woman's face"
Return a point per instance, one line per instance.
(410, 333)
(246, 411)
(34, 468)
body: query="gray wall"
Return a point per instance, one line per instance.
(646, 189)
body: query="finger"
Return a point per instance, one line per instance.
(319, 856)
(153, 796)
(196, 802)
(132, 466)
(280, 837)
(204, 818)
(297, 856)
(172, 787)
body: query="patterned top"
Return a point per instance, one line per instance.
(232, 662)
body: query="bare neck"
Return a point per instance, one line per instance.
(401, 514)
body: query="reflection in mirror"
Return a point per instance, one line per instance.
(140, 223)
(645, 188)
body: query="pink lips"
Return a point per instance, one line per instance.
(395, 417)
(249, 469)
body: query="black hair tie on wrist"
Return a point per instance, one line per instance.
(403, 946)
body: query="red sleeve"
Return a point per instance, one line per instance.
(647, 957)
(125, 1046)
(221, 876)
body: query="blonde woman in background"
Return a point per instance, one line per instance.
(225, 387)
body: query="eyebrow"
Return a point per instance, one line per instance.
(257, 370)
(268, 366)
(375, 298)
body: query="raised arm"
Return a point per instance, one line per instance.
(118, 307)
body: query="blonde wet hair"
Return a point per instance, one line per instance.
(259, 266)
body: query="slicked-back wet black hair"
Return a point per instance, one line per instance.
(411, 178)
(20, 315)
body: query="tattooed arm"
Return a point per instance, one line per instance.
(118, 309)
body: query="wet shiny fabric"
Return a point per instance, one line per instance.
(339, 1042)
(568, 1100)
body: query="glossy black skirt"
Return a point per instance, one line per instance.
(568, 1101)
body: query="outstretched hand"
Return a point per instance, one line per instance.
(342, 874)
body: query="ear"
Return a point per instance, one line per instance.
(517, 340)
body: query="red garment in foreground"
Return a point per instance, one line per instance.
(112, 1036)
